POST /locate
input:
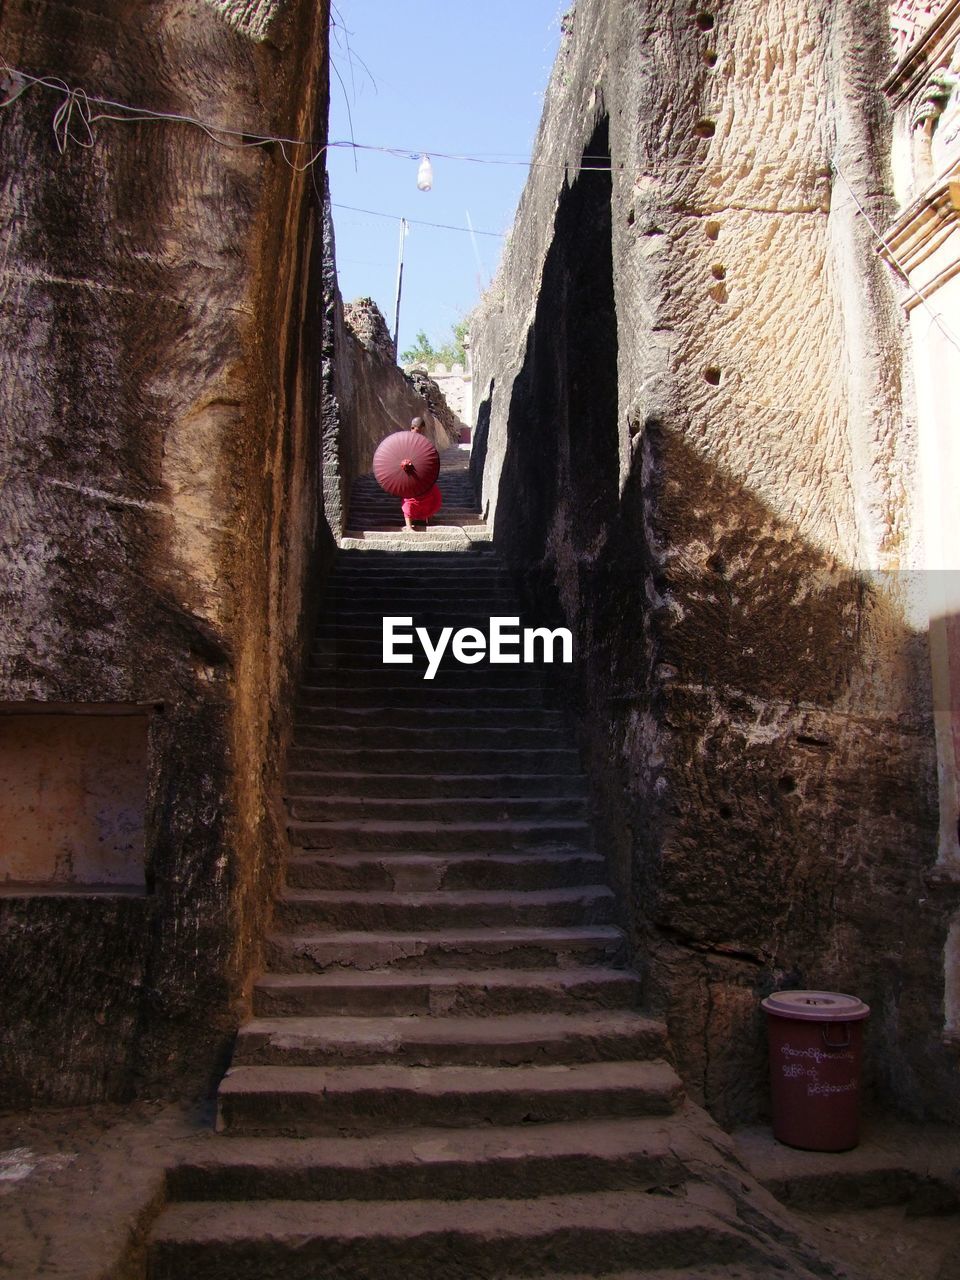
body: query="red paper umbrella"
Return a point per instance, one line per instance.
(406, 464)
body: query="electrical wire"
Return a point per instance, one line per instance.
(935, 316)
(78, 103)
(417, 222)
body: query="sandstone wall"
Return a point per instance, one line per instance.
(693, 441)
(162, 309)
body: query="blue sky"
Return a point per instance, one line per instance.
(436, 76)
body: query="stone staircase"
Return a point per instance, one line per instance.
(375, 521)
(447, 1073)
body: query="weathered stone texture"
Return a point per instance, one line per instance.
(162, 303)
(695, 449)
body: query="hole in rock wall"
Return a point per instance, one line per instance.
(712, 230)
(705, 21)
(712, 375)
(705, 128)
(72, 795)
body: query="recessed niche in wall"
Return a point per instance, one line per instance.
(72, 795)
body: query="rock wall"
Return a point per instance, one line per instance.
(693, 441)
(371, 397)
(163, 537)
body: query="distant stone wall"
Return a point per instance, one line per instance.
(456, 385)
(439, 407)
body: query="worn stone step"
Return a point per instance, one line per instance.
(485, 760)
(354, 697)
(440, 836)
(437, 539)
(445, 992)
(367, 660)
(501, 1040)
(515, 947)
(366, 607)
(549, 1159)
(365, 604)
(433, 809)
(370, 628)
(424, 737)
(311, 1101)
(430, 716)
(498, 786)
(352, 656)
(764, 1268)
(453, 608)
(443, 909)
(346, 670)
(423, 873)
(396, 566)
(457, 1240)
(421, 574)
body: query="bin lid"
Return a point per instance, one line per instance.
(816, 1006)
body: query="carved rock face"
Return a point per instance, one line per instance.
(161, 508)
(694, 477)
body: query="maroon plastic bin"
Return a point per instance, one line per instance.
(816, 1053)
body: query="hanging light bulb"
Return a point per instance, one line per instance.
(425, 174)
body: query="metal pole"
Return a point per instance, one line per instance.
(476, 254)
(396, 322)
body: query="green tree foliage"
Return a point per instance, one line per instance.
(424, 352)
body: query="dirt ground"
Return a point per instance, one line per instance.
(79, 1186)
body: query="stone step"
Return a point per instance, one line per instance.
(497, 786)
(456, 1240)
(445, 992)
(440, 836)
(368, 595)
(355, 654)
(351, 559)
(393, 760)
(434, 809)
(360, 604)
(367, 622)
(776, 1268)
(416, 578)
(423, 873)
(516, 947)
(536, 1160)
(429, 713)
(424, 737)
(298, 909)
(312, 1101)
(354, 697)
(365, 670)
(436, 539)
(500, 1040)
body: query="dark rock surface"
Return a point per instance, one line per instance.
(161, 306)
